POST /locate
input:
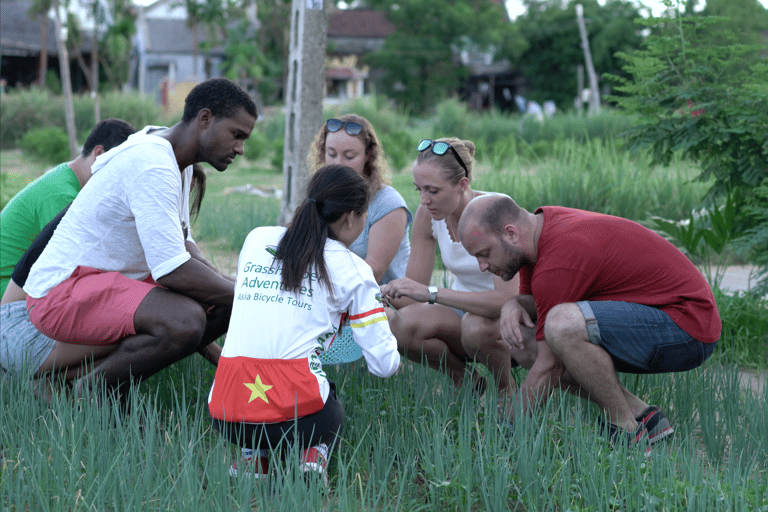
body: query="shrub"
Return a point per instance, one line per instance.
(257, 146)
(24, 109)
(702, 96)
(50, 144)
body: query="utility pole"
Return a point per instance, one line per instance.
(594, 95)
(304, 97)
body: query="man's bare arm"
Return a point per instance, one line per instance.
(201, 283)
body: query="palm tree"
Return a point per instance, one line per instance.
(39, 9)
(66, 82)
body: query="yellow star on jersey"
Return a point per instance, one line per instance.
(258, 389)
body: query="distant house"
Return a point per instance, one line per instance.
(21, 43)
(351, 34)
(492, 84)
(355, 32)
(164, 50)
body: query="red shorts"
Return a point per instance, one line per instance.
(90, 307)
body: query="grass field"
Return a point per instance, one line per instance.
(411, 442)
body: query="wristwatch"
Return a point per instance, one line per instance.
(432, 294)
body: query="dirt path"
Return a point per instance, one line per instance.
(754, 380)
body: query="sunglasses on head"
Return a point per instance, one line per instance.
(351, 128)
(440, 148)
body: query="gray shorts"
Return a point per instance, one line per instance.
(23, 349)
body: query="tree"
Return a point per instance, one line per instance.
(40, 9)
(75, 41)
(747, 19)
(116, 42)
(700, 94)
(66, 83)
(422, 57)
(212, 15)
(554, 53)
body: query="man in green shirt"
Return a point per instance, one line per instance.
(27, 213)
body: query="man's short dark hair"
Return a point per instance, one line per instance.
(108, 133)
(221, 96)
(501, 210)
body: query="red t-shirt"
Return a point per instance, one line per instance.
(596, 257)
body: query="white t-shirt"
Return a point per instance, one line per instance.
(467, 274)
(128, 218)
(275, 337)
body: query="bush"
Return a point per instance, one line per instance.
(257, 146)
(25, 109)
(50, 144)
(22, 110)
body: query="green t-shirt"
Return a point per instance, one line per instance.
(27, 213)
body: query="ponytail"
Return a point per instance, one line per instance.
(332, 191)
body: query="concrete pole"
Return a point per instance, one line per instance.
(304, 98)
(594, 94)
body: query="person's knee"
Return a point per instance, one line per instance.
(182, 330)
(527, 356)
(564, 325)
(476, 332)
(405, 326)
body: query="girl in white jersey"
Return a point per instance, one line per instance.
(448, 327)
(295, 286)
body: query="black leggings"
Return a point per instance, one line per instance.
(320, 427)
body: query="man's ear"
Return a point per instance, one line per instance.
(98, 149)
(204, 118)
(512, 233)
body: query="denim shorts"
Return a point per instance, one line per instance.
(23, 349)
(642, 339)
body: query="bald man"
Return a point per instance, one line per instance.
(605, 294)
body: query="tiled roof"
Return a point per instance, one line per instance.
(358, 23)
(19, 33)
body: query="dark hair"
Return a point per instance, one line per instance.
(221, 96)
(198, 190)
(332, 191)
(375, 166)
(108, 133)
(452, 171)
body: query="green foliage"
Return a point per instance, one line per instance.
(115, 45)
(499, 136)
(419, 58)
(747, 19)
(755, 239)
(714, 227)
(744, 339)
(52, 82)
(698, 96)
(554, 50)
(50, 144)
(409, 443)
(595, 176)
(256, 58)
(25, 109)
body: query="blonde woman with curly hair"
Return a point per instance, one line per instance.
(351, 140)
(449, 327)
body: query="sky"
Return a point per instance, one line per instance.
(515, 7)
